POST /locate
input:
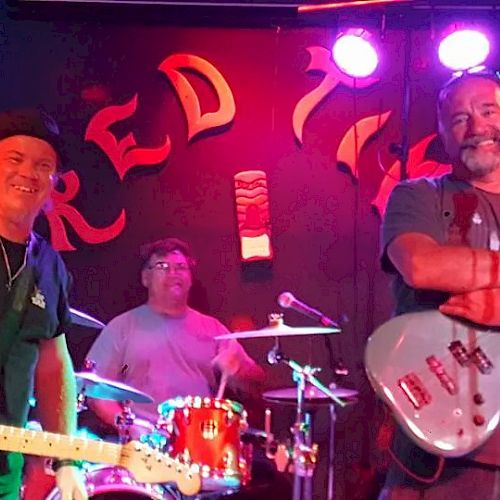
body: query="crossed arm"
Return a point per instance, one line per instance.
(470, 275)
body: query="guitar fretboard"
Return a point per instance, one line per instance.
(48, 444)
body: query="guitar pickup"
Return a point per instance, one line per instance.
(476, 357)
(481, 360)
(415, 390)
(459, 352)
(445, 380)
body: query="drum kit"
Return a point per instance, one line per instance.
(209, 431)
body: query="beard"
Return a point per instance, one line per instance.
(480, 164)
(478, 160)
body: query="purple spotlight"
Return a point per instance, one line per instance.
(464, 49)
(354, 54)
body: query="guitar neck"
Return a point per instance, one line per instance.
(53, 445)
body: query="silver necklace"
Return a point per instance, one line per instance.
(11, 278)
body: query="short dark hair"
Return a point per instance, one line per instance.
(164, 247)
(33, 122)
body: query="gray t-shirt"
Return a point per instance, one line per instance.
(452, 212)
(161, 355)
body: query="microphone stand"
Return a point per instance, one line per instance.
(304, 451)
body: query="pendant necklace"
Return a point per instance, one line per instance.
(11, 278)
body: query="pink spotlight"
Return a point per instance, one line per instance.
(464, 49)
(354, 54)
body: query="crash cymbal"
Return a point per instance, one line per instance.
(312, 395)
(280, 330)
(97, 387)
(83, 319)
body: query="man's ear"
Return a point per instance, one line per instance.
(145, 278)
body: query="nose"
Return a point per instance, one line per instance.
(477, 125)
(27, 168)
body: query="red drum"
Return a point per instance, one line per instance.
(207, 431)
(115, 483)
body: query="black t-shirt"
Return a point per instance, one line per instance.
(15, 255)
(46, 315)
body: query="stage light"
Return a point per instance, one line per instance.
(464, 49)
(354, 54)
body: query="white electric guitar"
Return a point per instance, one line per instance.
(145, 464)
(441, 379)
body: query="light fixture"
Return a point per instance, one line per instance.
(463, 49)
(354, 54)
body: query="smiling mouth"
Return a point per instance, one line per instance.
(25, 189)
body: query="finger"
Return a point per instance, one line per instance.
(81, 495)
(456, 300)
(455, 310)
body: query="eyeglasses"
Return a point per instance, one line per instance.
(178, 267)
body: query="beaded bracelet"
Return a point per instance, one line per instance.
(57, 464)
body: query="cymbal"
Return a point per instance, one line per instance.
(97, 387)
(280, 330)
(83, 319)
(312, 395)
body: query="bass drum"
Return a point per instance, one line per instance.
(105, 482)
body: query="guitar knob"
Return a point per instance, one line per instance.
(478, 420)
(478, 398)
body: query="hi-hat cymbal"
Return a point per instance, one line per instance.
(97, 387)
(312, 395)
(83, 319)
(279, 330)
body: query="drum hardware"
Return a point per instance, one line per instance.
(115, 483)
(82, 319)
(312, 395)
(124, 422)
(277, 328)
(304, 451)
(207, 431)
(93, 386)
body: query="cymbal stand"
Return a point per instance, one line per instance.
(124, 421)
(304, 451)
(81, 401)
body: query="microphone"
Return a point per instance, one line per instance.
(287, 300)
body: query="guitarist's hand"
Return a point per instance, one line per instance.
(70, 483)
(479, 306)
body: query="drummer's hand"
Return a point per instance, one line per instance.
(228, 360)
(69, 480)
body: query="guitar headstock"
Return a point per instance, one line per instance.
(150, 466)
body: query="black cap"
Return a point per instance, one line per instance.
(34, 122)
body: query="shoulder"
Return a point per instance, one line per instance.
(208, 323)
(128, 317)
(417, 195)
(45, 253)
(422, 185)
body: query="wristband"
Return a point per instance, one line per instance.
(57, 464)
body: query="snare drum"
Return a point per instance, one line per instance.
(207, 431)
(115, 483)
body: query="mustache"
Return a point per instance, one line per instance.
(473, 142)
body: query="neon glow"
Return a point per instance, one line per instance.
(354, 54)
(464, 49)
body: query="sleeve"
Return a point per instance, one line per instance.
(413, 207)
(107, 350)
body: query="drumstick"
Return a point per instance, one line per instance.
(222, 386)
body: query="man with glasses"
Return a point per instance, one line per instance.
(34, 310)
(441, 240)
(164, 347)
